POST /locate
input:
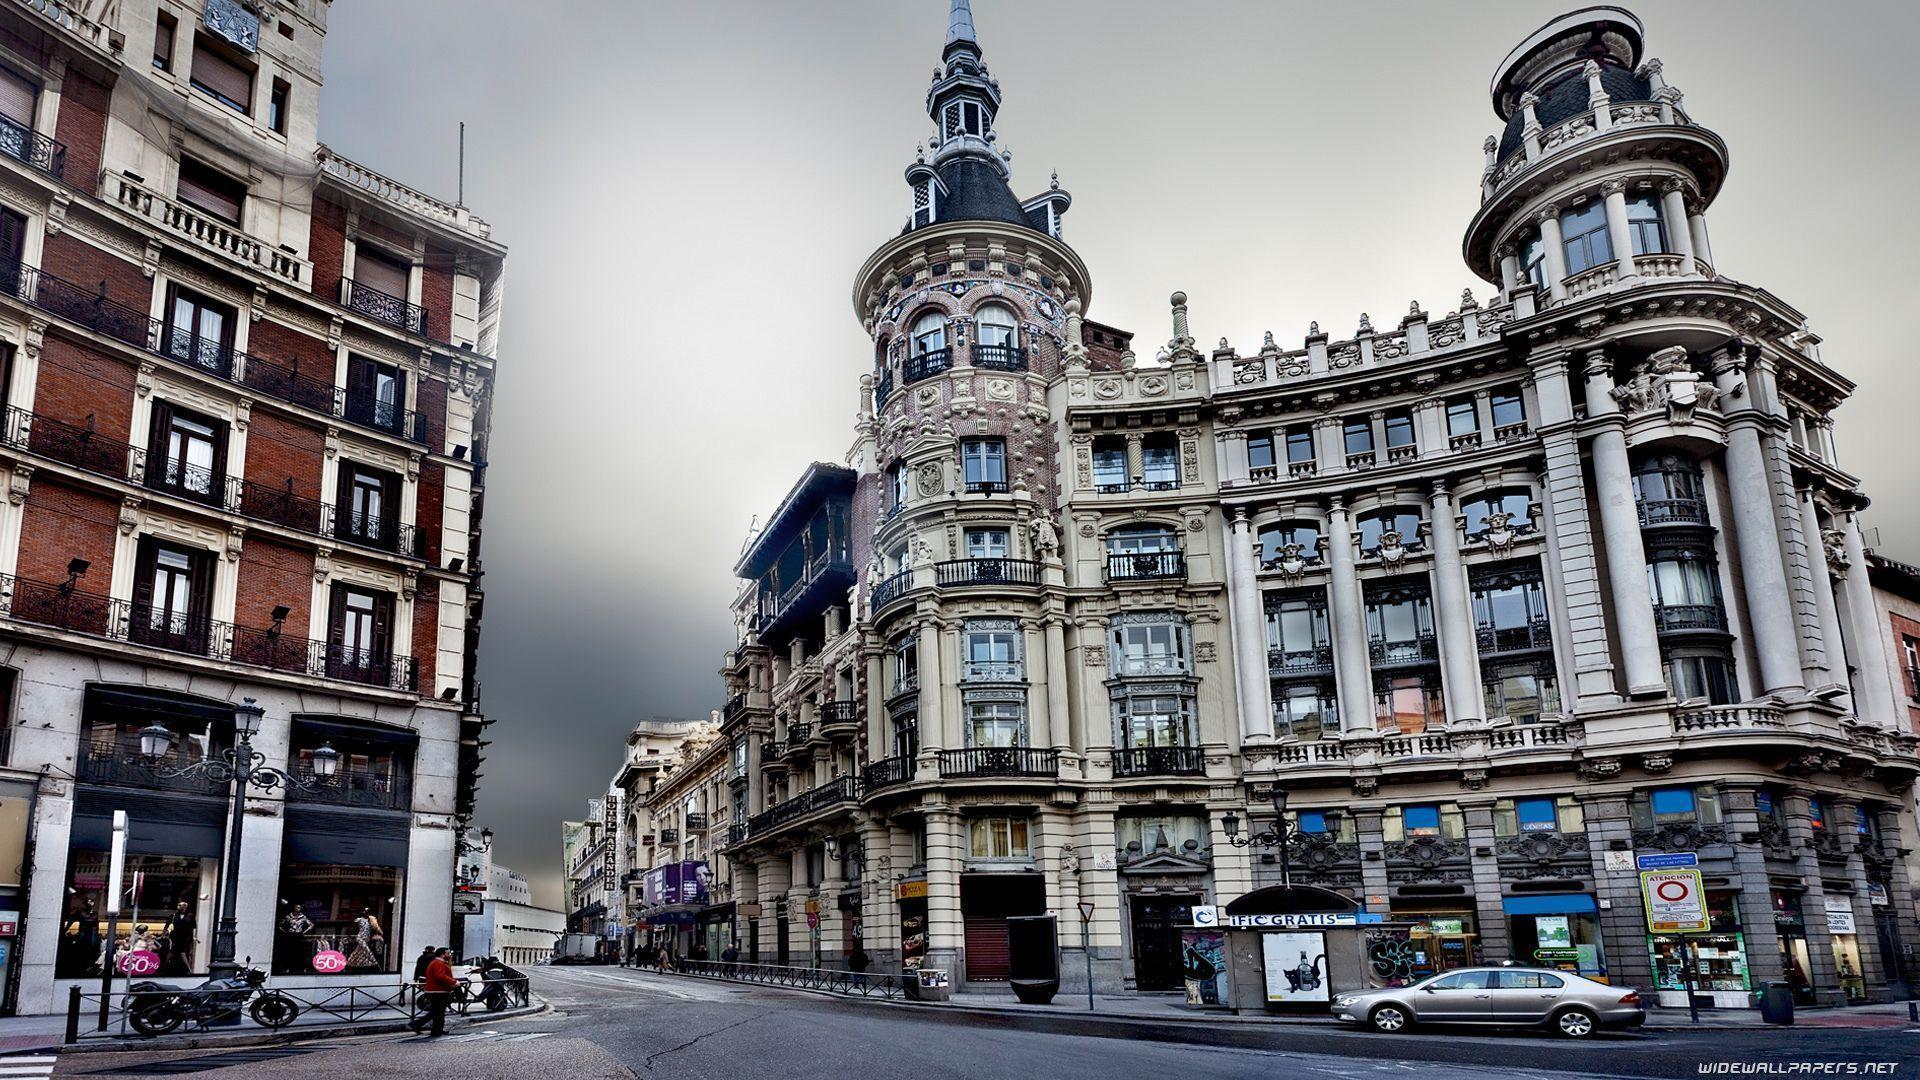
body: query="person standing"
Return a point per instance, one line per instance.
(178, 940)
(436, 987)
(420, 963)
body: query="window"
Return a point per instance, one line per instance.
(929, 333)
(1644, 225)
(1155, 720)
(1161, 456)
(1584, 232)
(1704, 677)
(1509, 408)
(383, 274)
(277, 106)
(923, 203)
(360, 634)
(1398, 615)
(906, 663)
(1528, 980)
(172, 596)
(222, 76)
(1275, 537)
(997, 838)
(198, 331)
(1150, 648)
(1533, 261)
(373, 767)
(995, 724)
(1110, 464)
(897, 483)
(1660, 806)
(376, 393)
(1512, 817)
(1300, 445)
(996, 338)
(1463, 980)
(985, 464)
(1426, 819)
(1399, 430)
(187, 453)
(1463, 418)
(1260, 450)
(1143, 833)
(210, 191)
(1509, 604)
(1522, 693)
(1517, 505)
(1359, 436)
(1143, 551)
(1686, 579)
(986, 543)
(1669, 489)
(1297, 629)
(368, 509)
(1334, 824)
(163, 33)
(1396, 519)
(155, 887)
(992, 652)
(1408, 704)
(1305, 710)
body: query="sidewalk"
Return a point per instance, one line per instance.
(42, 1033)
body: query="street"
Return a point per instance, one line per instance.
(614, 1023)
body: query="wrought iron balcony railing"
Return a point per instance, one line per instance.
(1146, 565)
(1159, 761)
(1000, 357)
(926, 365)
(1315, 661)
(1669, 617)
(888, 771)
(20, 142)
(374, 304)
(987, 487)
(1420, 650)
(797, 737)
(353, 787)
(696, 822)
(840, 789)
(1534, 635)
(839, 714)
(669, 836)
(999, 761)
(891, 589)
(121, 763)
(882, 389)
(1673, 512)
(987, 571)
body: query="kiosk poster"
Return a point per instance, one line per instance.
(1204, 963)
(1296, 966)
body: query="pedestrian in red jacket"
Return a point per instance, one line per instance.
(436, 987)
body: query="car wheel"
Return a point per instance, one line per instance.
(1388, 1018)
(1575, 1024)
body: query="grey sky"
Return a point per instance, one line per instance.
(688, 188)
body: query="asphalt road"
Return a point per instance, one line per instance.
(617, 1024)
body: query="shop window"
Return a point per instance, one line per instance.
(1443, 938)
(161, 911)
(997, 838)
(1719, 955)
(1441, 820)
(329, 908)
(1513, 817)
(373, 769)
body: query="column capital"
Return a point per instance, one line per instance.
(1615, 186)
(1440, 487)
(1597, 364)
(1548, 213)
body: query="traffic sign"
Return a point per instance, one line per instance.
(1675, 901)
(1206, 915)
(466, 903)
(1086, 911)
(1668, 860)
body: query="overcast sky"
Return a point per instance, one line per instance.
(687, 189)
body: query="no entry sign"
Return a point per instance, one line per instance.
(1675, 900)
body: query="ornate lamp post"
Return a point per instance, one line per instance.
(241, 765)
(1275, 837)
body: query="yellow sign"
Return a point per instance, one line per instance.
(911, 890)
(813, 907)
(1675, 900)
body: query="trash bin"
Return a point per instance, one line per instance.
(928, 984)
(1776, 1002)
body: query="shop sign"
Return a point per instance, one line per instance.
(1675, 901)
(1840, 915)
(329, 961)
(1447, 926)
(1206, 916)
(10, 921)
(1553, 931)
(1296, 966)
(911, 890)
(1876, 895)
(748, 911)
(139, 962)
(1557, 956)
(1301, 918)
(1619, 860)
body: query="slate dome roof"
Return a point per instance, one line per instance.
(1566, 97)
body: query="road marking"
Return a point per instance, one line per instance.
(26, 1066)
(497, 1036)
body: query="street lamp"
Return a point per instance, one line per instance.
(856, 855)
(1275, 837)
(240, 765)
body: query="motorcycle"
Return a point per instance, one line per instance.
(155, 1009)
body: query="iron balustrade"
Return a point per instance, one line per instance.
(840, 789)
(1913, 683)
(926, 365)
(839, 714)
(382, 307)
(999, 761)
(1315, 661)
(986, 571)
(1159, 761)
(696, 821)
(1672, 511)
(181, 480)
(1171, 484)
(1000, 357)
(374, 411)
(882, 389)
(1146, 565)
(798, 736)
(81, 447)
(888, 771)
(734, 707)
(280, 506)
(1423, 649)
(1533, 635)
(1689, 617)
(352, 787)
(891, 589)
(669, 836)
(120, 762)
(829, 980)
(987, 487)
(20, 142)
(736, 833)
(374, 531)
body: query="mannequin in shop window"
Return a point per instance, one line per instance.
(177, 941)
(369, 941)
(291, 949)
(80, 940)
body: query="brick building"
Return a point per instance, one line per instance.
(247, 386)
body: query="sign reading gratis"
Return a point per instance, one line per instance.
(1207, 916)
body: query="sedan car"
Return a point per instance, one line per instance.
(1561, 1001)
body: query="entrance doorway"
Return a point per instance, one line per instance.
(1157, 953)
(986, 900)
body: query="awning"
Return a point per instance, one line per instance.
(1551, 904)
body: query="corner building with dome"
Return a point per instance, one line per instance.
(1491, 602)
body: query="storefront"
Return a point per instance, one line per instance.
(1441, 934)
(1790, 922)
(987, 900)
(1559, 930)
(342, 883)
(716, 929)
(912, 897)
(16, 814)
(1718, 958)
(1844, 931)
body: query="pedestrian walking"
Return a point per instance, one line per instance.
(730, 956)
(858, 961)
(436, 988)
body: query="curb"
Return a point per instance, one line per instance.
(276, 1038)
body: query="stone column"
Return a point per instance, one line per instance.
(1234, 465)
(756, 780)
(1555, 250)
(1580, 642)
(946, 850)
(1056, 644)
(878, 740)
(1352, 670)
(1623, 923)
(1495, 942)
(1329, 449)
(1834, 668)
(1875, 684)
(1040, 730)
(936, 669)
(1136, 459)
(1673, 218)
(1509, 268)
(1813, 902)
(1453, 610)
(1249, 633)
(1843, 816)
(1697, 229)
(1617, 231)
(1620, 529)
(1755, 899)
(1763, 571)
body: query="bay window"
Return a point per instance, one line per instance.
(1583, 231)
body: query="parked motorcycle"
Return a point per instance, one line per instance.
(155, 1009)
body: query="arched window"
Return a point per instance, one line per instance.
(1400, 519)
(997, 339)
(929, 333)
(1277, 536)
(1517, 505)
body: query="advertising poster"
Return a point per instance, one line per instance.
(1296, 964)
(1553, 931)
(1204, 963)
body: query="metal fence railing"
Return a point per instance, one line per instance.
(124, 1013)
(830, 980)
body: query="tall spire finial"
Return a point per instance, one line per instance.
(960, 23)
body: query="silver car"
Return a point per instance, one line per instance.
(1512, 996)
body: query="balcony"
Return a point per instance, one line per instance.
(1466, 440)
(1315, 661)
(799, 741)
(1362, 460)
(122, 764)
(202, 230)
(380, 307)
(1397, 454)
(353, 787)
(839, 718)
(1534, 635)
(990, 571)
(888, 771)
(1146, 566)
(1510, 432)
(1424, 649)
(987, 487)
(696, 822)
(131, 326)
(736, 833)
(1679, 617)
(735, 705)
(891, 589)
(67, 608)
(669, 836)
(991, 761)
(76, 445)
(1719, 718)
(1159, 761)
(882, 389)
(1000, 357)
(839, 790)
(926, 365)
(1658, 512)
(20, 142)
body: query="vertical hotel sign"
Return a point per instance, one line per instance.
(610, 860)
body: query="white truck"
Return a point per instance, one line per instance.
(576, 949)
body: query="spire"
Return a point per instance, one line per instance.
(960, 25)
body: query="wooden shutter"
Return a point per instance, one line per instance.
(18, 96)
(207, 190)
(201, 601)
(159, 426)
(383, 626)
(379, 271)
(13, 235)
(337, 617)
(143, 564)
(216, 488)
(987, 948)
(214, 71)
